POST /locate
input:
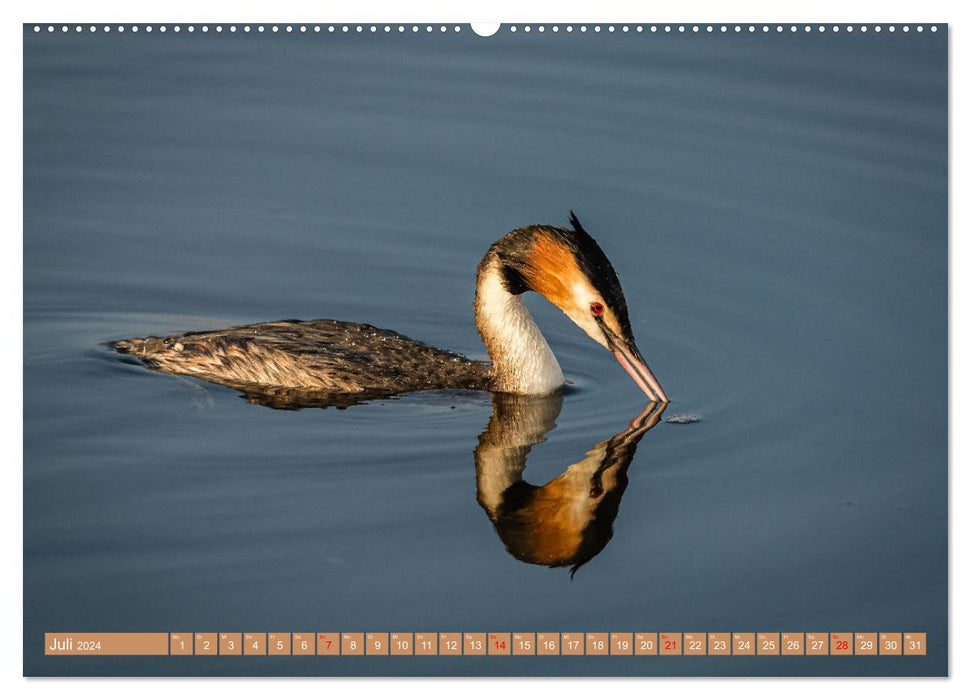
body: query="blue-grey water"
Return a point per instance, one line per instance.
(774, 204)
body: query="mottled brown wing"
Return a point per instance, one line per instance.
(323, 356)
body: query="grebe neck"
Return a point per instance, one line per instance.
(521, 358)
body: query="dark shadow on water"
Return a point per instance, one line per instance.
(569, 520)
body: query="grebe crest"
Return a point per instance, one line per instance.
(326, 362)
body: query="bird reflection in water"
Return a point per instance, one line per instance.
(569, 520)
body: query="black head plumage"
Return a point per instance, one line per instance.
(594, 264)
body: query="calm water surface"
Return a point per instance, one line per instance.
(775, 206)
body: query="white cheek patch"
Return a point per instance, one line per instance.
(580, 313)
(591, 328)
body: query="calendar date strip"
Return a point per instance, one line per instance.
(485, 644)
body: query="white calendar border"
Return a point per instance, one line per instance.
(521, 11)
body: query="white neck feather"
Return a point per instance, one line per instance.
(522, 360)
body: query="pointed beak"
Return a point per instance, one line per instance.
(630, 359)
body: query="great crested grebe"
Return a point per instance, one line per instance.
(295, 361)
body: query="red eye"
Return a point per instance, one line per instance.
(597, 308)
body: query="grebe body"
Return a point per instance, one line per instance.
(341, 362)
(325, 356)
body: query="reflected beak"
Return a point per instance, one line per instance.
(630, 359)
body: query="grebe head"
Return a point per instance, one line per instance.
(569, 269)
